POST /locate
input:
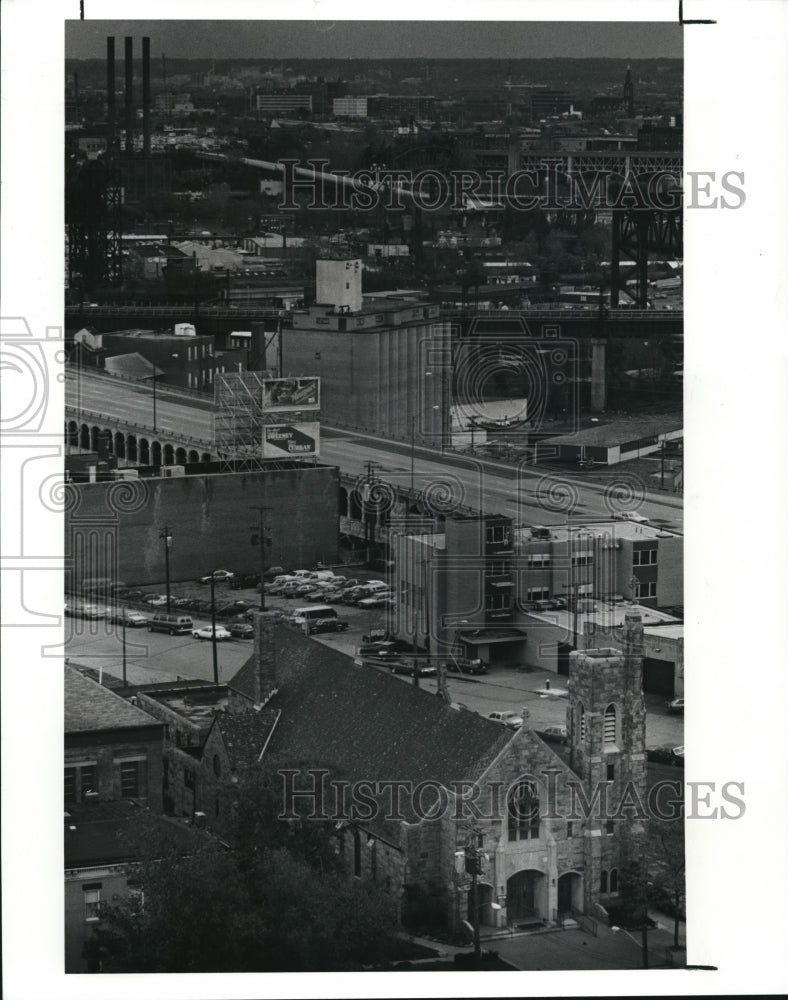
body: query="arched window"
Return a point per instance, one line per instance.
(357, 854)
(603, 882)
(610, 724)
(614, 879)
(523, 811)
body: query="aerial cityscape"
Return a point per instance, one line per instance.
(374, 500)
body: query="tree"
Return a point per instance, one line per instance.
(277, 901)
(666, 869)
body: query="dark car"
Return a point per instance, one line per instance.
(241, 630)
(553, 734)
(328, 625)
(672, 756)
(408, 667)
(244, 581)
(462, 665)
(676, 706)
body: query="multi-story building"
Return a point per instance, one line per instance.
(112, 771)
(283, 102)
(350, 107)
(525, 597)
(400, 106)
(181, 358)
(384, 365)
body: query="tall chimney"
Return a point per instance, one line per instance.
(110, 93)
(129, 65)
(146, 96)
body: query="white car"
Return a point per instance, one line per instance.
(219, 575)
(630, 515)
(205, 633)
(509, 719)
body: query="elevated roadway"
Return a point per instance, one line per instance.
(185, 433)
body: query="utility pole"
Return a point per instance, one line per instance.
(261, 540)
(213, 629)
(167, 537)
(473, 867)
(368, 532)
(123, 640)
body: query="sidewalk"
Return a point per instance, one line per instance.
(576, 949)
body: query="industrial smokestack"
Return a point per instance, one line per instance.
(110, 93)
(146, 96)
(129, 66)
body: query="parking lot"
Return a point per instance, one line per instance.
(152, 656)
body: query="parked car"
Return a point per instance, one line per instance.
(672, 756)
(245, 581)
(241, 630)
(676, 706)
(462, 665)
(132, 619)
(630, 515)
(307, 588)
(376, 600)
(328, 625)
(379, 648)
(317, 595)
(129, 595)
(219, 576)
(509, 719)
(155, 600)
(278, 584)
(272, 572)
(553, 734)
(206, 632)
(91, 611)
(408, 667)
(333, 596)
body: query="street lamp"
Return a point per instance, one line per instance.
(213, 628)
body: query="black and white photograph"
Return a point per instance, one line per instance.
(364, 428)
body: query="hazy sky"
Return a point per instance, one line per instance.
(380, 39)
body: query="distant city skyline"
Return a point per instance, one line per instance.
(310, 39)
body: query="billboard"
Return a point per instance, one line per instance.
(291, 440)
(291, 394)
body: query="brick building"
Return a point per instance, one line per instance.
(526, 596)
(210, 521)
(112, 771)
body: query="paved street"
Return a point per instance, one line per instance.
(154, 656)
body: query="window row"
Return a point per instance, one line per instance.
(644, 557)
(131, 780)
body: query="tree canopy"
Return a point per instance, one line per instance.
(277, 900)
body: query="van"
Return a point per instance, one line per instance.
(310, 614)
(174, 624)
(322, 576)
